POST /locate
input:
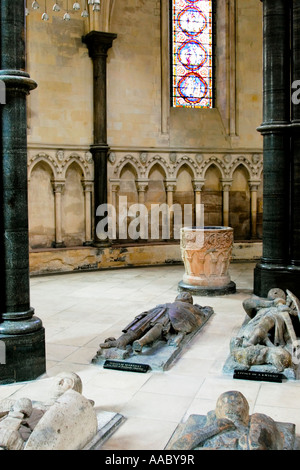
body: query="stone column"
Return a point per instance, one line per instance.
(114, 186)
(21, 333)
(141, 187)
(58, 187)
(226, 185)
(295, 164)
(88, 189)
(143, 214)
(170, 188)
(198, 185)
(253, 189)
(98, 44)
(275, 268)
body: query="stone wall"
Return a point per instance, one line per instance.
(79, 259)
(157, 154)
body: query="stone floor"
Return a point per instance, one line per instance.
(79, 310)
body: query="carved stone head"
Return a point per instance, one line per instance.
(66, 381)
(276, 293)
(234, 406)
(185, 297)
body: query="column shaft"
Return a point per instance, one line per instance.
(276, 118)
(226, 185)
(98, 44)
(170, 188)
(295, 164)
(199, 214)
(253, 189)
(88, 212)
(279, 266)
(20, 331)
(58, 188)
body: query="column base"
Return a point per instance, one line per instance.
(267, 277)
(206, 291)
(22, 357)
(58, 245)
(102, 243)
(88, 243)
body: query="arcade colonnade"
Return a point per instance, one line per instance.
(64, 171)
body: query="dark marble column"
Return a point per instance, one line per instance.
(21, 332)
(295, 150)
(98, 44)
(276, 268)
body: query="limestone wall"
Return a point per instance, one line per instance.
(60, 130)
(157, 154)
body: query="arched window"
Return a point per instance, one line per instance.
(192, 53)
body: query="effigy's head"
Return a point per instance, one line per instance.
(185, 297)
(66, 381)
(276, 293)
(234, 406)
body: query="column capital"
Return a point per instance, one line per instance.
(226, 184)
(98, 43)
(58, 186)
(87, 186)
(170, 184)
(254, 184)
(142, 185)
(114, 184)
(198, 184)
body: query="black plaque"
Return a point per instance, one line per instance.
(126, 366)
(255, 375)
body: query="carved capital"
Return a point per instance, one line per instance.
(254, 185)
(98, 43)
(114, 185)
(142, 186)
(170, 185)
(226, 185)
(58, 186)
(87, 186)
(198, 185)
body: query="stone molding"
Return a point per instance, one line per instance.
(172, 161)
(60, 159)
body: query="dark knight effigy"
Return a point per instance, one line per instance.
(156, 337)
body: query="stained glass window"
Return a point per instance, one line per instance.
(192, 53)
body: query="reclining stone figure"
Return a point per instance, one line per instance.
(169, 322)
(268, 336)
(67, 421)
(230, 427)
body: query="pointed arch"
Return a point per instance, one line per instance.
(47, 160)
(156, 192)
(41, 215)
(217, 162)
(138, 167)
(240, 202)
(157, 159)
(73, 205)
(212, 194)
(240, 161)
(188, 161)
(74, 160)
